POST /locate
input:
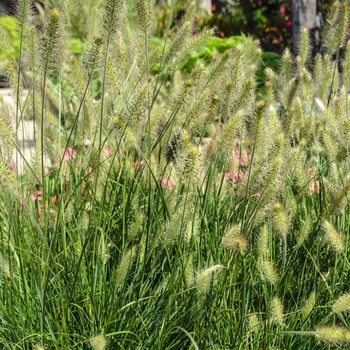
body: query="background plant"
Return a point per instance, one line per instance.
(172, 209)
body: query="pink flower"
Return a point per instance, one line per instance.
(288, 24)
(137, 164)
(36, 196)
(314, 187)
(13, 165)
(54, 199)
(282, 11)
(68, 154)
(228, 176)
(166, 184)
(242, 157)
(106, 153)
(235, 177)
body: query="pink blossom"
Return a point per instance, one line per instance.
(88, 171)
(237, 176)
(228, 176)
(106, 153)
(288, 24)
(233, 177)
(13, 165)
(166, 184)
(282, 11)
(137, 164)
(314, 187)
(36, 196)
(68, 154)
(242, 157)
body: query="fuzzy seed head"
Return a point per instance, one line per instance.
(268, 271)
(99, 342)
(280, 220)
(173, 229)
(189, 271)
(277, 311)
(343, 24)
(191, 164)
(333, 334)
(304, 231)
(332, 237)
(39, 347)
(228, 134)
(303, 47)
(92, 59)
(124, 265)
(309, 305)
(287, 65)
(339, 198)
(234, 240)
(23, 12)
(342, 304)
(111, 15)
(263, 241)
(8, 179)
(104, 255)
(50, 45)
(135, 227)
(272, 176)
(254, 324)
(205, 279)
(192, 229)
(4, 266)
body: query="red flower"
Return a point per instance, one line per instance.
(282, 11)
(68, 154)
(288, 24)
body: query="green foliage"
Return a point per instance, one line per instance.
(9, 37)
(214, 45)
(269, 21)
(173, 209)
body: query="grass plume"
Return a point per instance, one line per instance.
(169, 204)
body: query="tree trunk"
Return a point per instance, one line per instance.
(304, 16)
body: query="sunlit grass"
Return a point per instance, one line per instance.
(177, 211)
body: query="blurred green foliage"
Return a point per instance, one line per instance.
(10, 39)
(212, 46)
(269, 21)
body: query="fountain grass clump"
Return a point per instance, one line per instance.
(172, 210)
